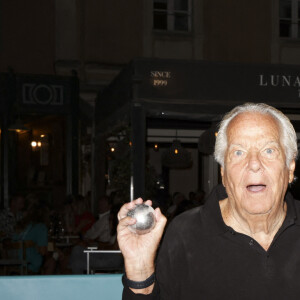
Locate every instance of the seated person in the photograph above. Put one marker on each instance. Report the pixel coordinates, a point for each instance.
(84, 219)
(11, 215)
(100, 231)
(33, 228)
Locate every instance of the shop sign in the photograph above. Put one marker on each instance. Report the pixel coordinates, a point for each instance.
(278, 80)
(42, 94)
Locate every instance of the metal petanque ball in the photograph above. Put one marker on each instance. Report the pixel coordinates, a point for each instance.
(145, 219)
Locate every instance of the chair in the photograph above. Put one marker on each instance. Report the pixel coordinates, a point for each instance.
(13, 256)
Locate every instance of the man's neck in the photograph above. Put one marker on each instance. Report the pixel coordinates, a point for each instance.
(261, 227)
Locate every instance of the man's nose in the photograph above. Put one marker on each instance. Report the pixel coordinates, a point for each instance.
(254, 161)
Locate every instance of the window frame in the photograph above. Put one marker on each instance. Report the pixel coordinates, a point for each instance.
(294, 20)
(171, 12)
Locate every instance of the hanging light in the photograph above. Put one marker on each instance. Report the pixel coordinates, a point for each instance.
(176, 147)
(177, 157)
(35, 145)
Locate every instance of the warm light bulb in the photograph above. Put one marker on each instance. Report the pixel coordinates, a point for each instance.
(112, 149)
(39, 144)
(33, 144)
(42, 135)
(176, 151)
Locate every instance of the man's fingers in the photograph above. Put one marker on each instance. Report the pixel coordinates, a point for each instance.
(148, 202)
(158, 214)
(161, 220)
(125, 222)
(128, 206)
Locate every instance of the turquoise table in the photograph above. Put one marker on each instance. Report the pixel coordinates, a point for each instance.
(60, 287)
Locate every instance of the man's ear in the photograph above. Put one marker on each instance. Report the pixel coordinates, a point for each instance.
(222, 175)
(292, 170)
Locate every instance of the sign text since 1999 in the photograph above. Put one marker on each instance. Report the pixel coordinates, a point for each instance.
(160, 78)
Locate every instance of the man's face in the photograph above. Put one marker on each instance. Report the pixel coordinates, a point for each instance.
(255, 173)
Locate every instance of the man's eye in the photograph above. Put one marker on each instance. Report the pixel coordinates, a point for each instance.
(238, 153)
(269, 151)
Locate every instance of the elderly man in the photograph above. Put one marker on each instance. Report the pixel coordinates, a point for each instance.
(244, 246)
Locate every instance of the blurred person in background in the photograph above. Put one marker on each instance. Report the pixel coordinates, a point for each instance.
(83, 218)
(33, 227)
(177, 198)
(11, 215)
(199, 198)
(100, 231)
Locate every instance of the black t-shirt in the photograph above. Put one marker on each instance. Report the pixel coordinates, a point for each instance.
(202, 258)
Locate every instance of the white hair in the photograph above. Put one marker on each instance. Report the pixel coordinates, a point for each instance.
(287, 132)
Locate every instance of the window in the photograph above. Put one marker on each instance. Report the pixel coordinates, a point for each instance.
(172, 15)
(289, 16)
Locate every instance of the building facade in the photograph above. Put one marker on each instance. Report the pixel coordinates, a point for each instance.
(98, 38)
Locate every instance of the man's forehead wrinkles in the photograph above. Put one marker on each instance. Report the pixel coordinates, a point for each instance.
(235, 145)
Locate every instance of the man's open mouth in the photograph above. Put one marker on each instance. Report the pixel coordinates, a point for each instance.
(256, 187)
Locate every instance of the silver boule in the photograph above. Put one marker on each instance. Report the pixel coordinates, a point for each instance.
(145, 219)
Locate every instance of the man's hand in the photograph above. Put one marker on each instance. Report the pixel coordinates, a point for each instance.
(139, 250)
